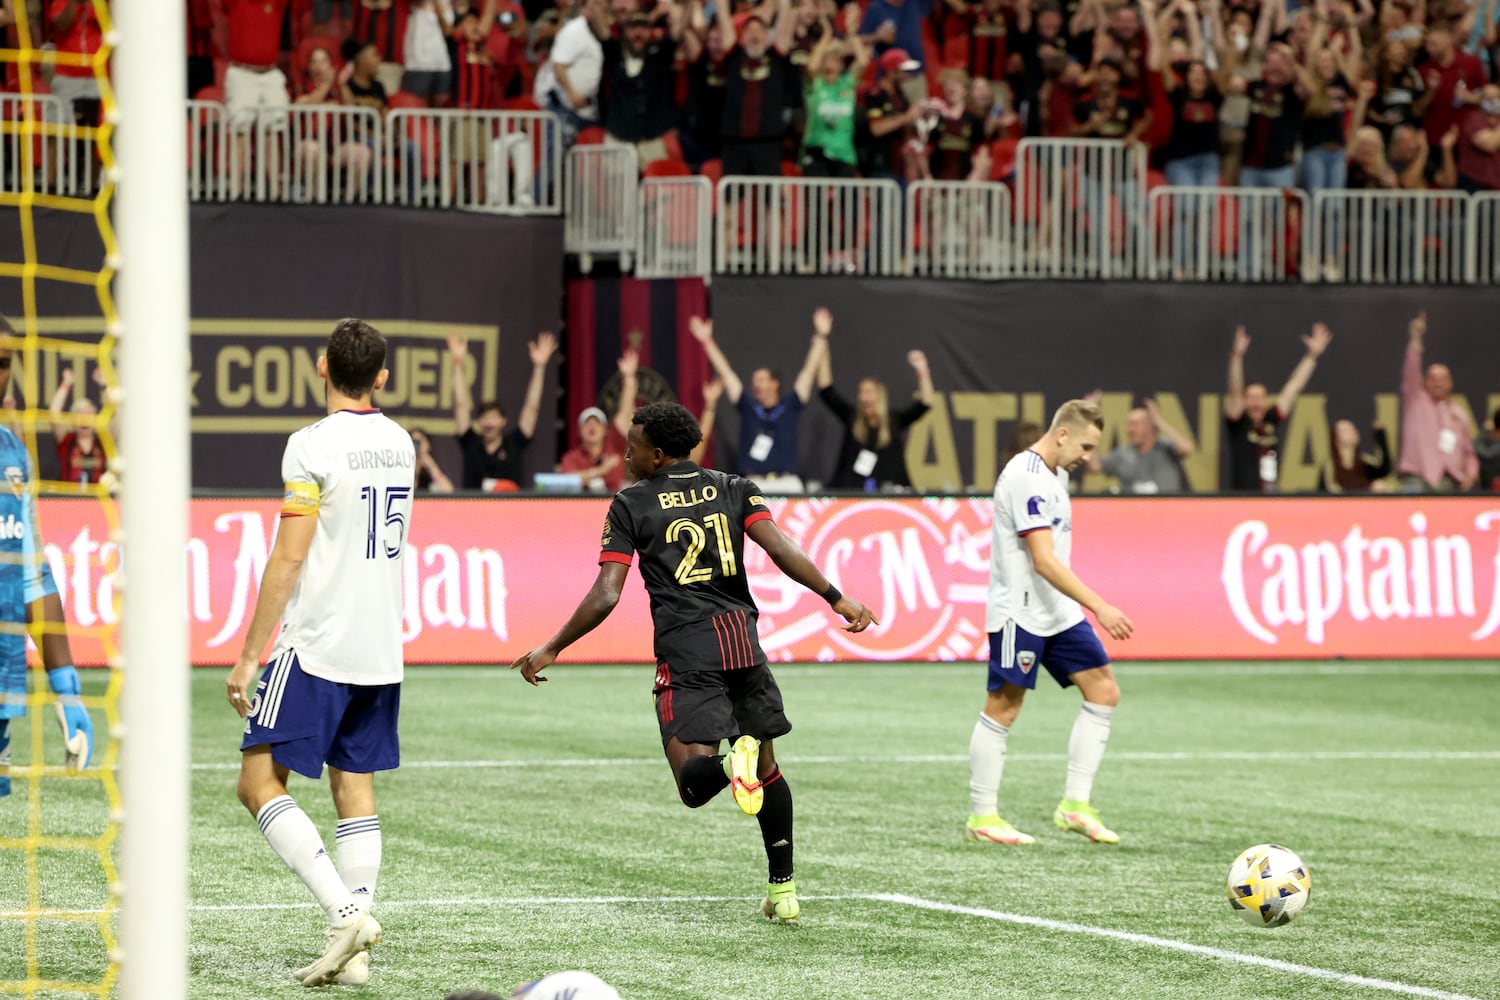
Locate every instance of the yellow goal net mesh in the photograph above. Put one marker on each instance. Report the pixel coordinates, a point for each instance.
(59, 824)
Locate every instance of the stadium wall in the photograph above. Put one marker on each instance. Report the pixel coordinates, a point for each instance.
(268, 282)
(1203, 578)
(1007, 351)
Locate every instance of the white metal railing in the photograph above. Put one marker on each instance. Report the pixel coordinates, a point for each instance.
(61, 162)
(958, 229)
(600, 192)
(317, 154)
(490, 161)
(209, 150)
(1390, 237)
(790, 225)
(1482, 233)
(1080, 209)
(1228, 234)
(675, 217)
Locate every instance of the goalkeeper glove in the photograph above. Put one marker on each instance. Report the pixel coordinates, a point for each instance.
(74, 717)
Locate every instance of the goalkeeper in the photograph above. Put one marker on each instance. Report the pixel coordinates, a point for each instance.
(28, 594)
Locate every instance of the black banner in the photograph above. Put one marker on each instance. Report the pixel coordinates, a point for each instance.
(1007, 351)
(268, 282)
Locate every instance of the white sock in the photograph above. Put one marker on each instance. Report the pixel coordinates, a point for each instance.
(294, 838)
(358, 845)
(986, 762)
(1086, 749)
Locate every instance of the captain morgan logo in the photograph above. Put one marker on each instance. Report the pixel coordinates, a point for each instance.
(1034, 506)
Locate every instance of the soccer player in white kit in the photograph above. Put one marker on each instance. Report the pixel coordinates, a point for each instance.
(332, 688)
(1035, 619)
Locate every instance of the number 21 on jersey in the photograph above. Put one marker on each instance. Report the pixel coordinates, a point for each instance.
(395, 517)
(688, 530)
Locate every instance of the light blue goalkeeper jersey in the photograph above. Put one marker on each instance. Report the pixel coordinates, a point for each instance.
(20, 569)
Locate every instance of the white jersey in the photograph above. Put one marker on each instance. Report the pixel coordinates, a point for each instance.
(354, 471)
(567, 986)
(1029, 496)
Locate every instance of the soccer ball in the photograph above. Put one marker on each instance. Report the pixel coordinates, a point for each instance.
(1269, 885)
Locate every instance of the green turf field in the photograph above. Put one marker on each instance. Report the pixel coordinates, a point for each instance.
(538, 830)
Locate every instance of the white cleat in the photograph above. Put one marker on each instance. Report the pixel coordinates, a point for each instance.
(356, 972)
(344, 943)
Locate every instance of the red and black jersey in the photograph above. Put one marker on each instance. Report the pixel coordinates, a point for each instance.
(383, 23)
(476, 78)
(989, 36)
(688, 524)
(80, 465)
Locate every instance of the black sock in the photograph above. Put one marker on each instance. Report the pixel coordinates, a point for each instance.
(776, 826)
(701, 778)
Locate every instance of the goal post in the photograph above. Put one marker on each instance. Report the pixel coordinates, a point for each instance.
(152, 220)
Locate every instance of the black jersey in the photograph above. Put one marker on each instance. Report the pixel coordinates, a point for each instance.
(688, 524)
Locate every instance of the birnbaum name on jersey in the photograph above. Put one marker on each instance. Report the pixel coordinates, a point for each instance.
(385, 458)
(1273, 584)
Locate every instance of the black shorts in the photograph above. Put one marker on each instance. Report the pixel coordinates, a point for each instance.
(706, 706)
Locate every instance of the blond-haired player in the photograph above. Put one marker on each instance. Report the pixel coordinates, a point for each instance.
(1035, 620)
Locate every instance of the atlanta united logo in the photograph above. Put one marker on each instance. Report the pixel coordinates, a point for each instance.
(1025, 659)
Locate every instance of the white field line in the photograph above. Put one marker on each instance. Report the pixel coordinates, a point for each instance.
(25, 771)
(1167, 944)
(1040, 923)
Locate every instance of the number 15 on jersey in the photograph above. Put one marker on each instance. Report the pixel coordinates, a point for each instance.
(394, 518)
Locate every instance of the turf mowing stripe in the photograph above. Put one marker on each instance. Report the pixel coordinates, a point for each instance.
(398, 904)
(1043, 923)
(942, 758)
(1294, 668)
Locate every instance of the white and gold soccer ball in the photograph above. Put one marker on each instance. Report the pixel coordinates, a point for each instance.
(1269, 885)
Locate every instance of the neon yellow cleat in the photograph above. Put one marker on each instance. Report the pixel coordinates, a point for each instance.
(1080, 817)
(992, 829)
(744, 778)
(780, 904)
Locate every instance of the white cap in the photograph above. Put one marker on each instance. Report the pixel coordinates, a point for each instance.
(593, 412)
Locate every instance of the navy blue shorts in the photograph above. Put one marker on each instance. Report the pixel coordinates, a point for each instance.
(308, 721)
(1015, 654)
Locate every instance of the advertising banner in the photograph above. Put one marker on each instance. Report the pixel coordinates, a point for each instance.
(488, 579)
(268, 285)
(1008, 351)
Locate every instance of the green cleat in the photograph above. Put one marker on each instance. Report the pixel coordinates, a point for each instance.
(1080, 817)
(743, 761)
(992, 829)
(780, 904)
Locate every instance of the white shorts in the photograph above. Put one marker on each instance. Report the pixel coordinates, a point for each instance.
(246, 92)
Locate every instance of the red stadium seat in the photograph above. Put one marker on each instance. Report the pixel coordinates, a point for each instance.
(713, 170)
(594, 136)
(401, 99)
(667, 168)
(215, 94)
(790, 169)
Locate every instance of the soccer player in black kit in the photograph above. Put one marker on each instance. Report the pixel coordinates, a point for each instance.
(712, 684)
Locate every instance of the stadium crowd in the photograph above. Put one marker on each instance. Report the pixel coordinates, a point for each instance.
(1437, 452)
(1268, 93)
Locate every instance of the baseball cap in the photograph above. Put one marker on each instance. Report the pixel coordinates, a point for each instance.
(593, 412)
(897, 59)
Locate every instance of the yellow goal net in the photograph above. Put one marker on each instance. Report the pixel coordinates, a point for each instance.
(60, 822)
